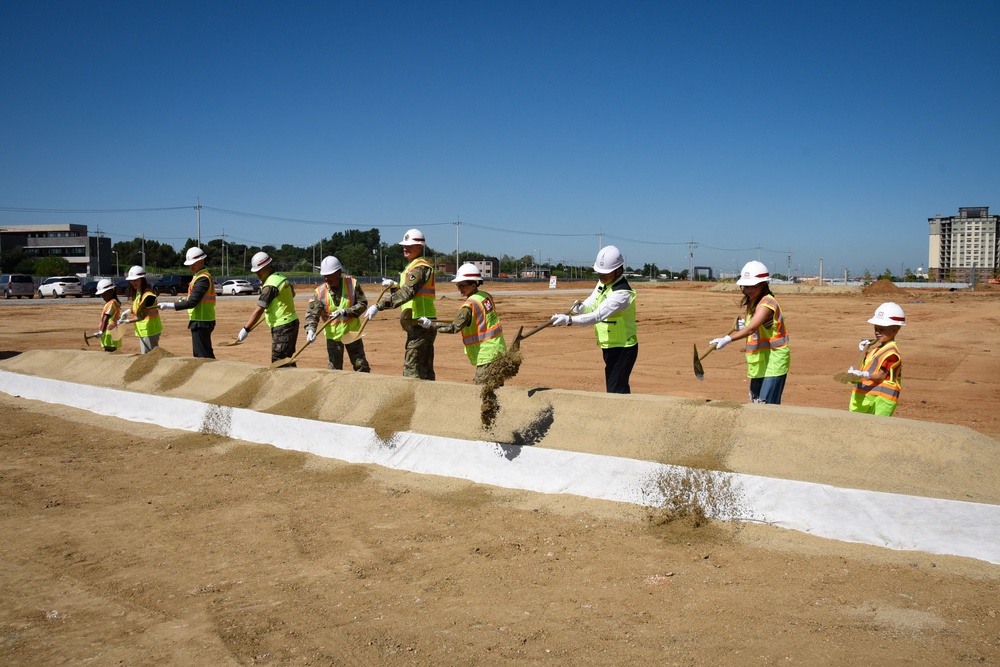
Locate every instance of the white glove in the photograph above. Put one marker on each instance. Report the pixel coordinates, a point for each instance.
(97, 334)
(740, 323)
(123, 319)
(577, 307)
(242, 335)
(371, 312)
(720, 343)
(863, 344)
(860, 374)
(310, 335)
(425, 322)
(560, 320)
(168, 305)
(389, 282)
(338, 314)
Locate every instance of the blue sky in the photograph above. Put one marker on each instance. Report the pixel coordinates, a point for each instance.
(831, 131)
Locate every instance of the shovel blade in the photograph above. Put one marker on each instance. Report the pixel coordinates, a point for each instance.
(282, 362)
(699, 370)
(517, 339)
(86, 338)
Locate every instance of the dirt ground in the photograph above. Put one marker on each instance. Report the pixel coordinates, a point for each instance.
(134, 544)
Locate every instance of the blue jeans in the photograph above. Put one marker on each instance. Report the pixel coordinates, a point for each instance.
(767, 390)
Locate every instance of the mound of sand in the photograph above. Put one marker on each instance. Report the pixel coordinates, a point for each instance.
(882, 286)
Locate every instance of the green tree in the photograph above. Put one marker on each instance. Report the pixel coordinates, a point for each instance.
(15, 261)
(868, 276)
(53, 266)
(886, 275)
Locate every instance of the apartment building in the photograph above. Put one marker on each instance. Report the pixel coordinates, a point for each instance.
(964, 247)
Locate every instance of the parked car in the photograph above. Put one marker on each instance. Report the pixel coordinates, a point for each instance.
(60, 286)
(90, 288)
(255, 284)
(121, 288)
(17, 284)
(172, 284)
(238, 286)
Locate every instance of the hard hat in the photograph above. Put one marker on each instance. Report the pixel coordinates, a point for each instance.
(609, 259)
(103, 285)
(194, 255)
(468, 272)
(413, 237)
(753, 273)
(259, 261)
(135, 273)
(889, 314)
(330, 265)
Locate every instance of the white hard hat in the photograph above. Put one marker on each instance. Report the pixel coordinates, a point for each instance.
(609, 259)
(889, 314)
(135, 273)
(467, 272)
(194, 255)
(753, 273)
(413, 237)
(259, 261)
(103, 285)
(330, 265)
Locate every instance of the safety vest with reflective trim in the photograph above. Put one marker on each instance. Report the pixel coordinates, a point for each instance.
(336, 330)
(888, 388)
(767, 350)
(483, 338)
(422, 304)
(151, 324)
(620, 329)
(205, 310)
(281, 310)
(112, 311)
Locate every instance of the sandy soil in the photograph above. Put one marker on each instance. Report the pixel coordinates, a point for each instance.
(134, 545)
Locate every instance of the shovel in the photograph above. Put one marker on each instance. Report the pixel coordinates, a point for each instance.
(846, 377)
(290, 360)
(237, 341)
(520, 336)
(352, 336)
(699, 370)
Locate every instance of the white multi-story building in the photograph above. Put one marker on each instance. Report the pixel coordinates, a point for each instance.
(964, 244)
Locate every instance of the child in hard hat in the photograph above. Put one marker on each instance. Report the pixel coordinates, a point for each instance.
(109, 333)
(768, 354)
(145, 312)
(479, 323)
(877, 391)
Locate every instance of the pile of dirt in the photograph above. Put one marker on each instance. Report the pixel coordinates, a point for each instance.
(145, 363)
(882, 286)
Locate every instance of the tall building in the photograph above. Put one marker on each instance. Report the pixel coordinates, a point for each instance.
(963, 244)
(87, 255)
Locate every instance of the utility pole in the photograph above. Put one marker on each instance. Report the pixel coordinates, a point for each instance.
(458, 224)
(691, 246)
(144, 250)
(98, 235)
(198, 208)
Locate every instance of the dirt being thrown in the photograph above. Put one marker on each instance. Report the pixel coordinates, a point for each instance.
(501, 370)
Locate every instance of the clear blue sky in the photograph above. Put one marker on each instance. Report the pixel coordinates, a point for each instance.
(832, 130)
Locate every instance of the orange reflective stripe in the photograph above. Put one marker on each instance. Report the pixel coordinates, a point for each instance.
(778, 338)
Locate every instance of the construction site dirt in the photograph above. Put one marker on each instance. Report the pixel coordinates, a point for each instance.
(135, 544)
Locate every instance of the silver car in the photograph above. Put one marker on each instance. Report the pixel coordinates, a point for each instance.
(234, 287)
(60, 286)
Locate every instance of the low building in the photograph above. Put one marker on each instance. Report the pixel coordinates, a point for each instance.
(88, 255)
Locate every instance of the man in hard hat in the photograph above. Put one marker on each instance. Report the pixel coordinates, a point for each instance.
(414, 296)
(877, 390)
(199, 302)
(277, 306)
(340, 300)
(768, 354)
(478, 321)
(611, 309)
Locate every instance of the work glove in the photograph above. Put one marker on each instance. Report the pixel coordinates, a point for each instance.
(863, 344)
(389, 282)
(560, 320)
(96, 334)
(242, 335)
(740, 323)
(860, 374)
(310, 335)
(167, 305)
(425, 322)
(577, 307)
(720, 343)
(371, 312)
(122, 320)
(338, 314)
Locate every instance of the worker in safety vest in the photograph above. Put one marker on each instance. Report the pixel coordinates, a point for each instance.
(277, 306)
(414, 295)
(877, 391)
(768, 354)
(611, 309)
(341, 300)
(200, 304)
(478, 321)
(145, 312)
(109, 333)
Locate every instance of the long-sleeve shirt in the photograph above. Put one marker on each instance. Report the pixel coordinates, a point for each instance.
(462, 319)
(615, 303)
(317, 310)
(198, 292)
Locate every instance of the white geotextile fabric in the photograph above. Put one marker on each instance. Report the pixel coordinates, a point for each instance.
(889, 520)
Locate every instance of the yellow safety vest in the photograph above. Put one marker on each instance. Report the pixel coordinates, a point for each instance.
(483, 338)
(281, 310)
(336, 330)
(151, 324)
(205, 310)
(767, 351)
(422, 303)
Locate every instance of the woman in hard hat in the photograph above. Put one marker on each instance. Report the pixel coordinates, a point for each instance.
(145, 312)
(478, 321)
(341, 300)
(877, 390)
(200, 304)
(109, 334)
(277, 306)
(767, 352)
(611, 309)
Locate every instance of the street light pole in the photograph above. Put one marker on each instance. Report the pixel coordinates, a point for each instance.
(117, 272)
